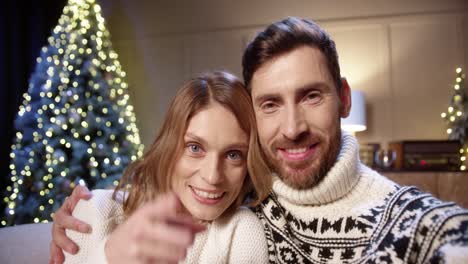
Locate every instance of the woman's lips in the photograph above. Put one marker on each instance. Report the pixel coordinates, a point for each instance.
(208, 198)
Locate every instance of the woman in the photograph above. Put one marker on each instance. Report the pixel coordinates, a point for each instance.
(193, 177)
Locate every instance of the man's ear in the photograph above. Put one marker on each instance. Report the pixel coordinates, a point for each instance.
(345, 98)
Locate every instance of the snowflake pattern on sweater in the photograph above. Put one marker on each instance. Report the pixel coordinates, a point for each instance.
(410, 228)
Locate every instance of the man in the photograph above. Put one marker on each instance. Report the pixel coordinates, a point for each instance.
(326, 206)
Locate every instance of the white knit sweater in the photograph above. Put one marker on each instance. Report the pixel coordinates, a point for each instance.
(355, 215)
(237, 239)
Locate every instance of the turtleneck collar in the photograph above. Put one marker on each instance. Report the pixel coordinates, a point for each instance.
(337, 183)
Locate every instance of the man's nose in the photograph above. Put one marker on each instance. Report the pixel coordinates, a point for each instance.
(294, 123)
(211, 171)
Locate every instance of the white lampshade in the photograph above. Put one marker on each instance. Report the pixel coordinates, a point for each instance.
(356, 121)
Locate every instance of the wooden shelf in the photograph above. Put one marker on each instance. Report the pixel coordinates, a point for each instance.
(447, 186)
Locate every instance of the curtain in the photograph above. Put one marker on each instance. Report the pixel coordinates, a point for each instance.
(24, 29)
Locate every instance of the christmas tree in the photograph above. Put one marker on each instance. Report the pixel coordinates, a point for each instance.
(75, 125)
(456, 117)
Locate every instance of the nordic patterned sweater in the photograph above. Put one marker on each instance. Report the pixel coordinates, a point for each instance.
(356, 215)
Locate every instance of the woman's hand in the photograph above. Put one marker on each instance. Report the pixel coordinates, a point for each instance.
(157, 232)
(63, 219)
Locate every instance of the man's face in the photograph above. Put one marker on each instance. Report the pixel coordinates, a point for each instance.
(298, 110)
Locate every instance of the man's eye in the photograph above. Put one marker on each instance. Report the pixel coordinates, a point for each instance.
(268, 107)
(313, 96)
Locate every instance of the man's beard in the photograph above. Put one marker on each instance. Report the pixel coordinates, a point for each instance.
(311, 174)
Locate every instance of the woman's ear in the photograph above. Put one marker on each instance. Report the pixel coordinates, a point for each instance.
(345, 98)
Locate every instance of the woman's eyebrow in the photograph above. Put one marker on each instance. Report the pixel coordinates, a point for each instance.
(236, 145)
(239, 145)
(195, 137)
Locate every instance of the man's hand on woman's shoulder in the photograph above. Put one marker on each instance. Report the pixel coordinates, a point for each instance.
(63, 219)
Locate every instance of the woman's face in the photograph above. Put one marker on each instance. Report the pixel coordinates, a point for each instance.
(209, 175)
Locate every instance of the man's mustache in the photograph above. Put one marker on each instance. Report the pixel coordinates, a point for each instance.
(305, 140)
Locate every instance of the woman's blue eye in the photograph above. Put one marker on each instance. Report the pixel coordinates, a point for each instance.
(234, 155)
(195, 148)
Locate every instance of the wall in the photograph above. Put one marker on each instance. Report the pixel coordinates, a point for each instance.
(402, 54)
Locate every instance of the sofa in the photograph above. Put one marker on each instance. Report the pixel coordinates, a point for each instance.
(27, 243)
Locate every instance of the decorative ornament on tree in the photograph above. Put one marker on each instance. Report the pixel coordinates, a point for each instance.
(76, 124)
(456, 117)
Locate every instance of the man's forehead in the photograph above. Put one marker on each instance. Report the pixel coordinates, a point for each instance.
(301, 67)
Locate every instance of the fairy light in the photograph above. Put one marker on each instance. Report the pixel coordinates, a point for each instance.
(455, 117)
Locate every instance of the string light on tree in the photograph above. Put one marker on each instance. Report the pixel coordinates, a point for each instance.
(75, 121)
(456, 117)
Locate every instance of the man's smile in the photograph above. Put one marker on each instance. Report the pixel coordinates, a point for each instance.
(297, 153)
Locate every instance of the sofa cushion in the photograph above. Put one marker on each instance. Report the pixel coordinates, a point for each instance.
(27, 243)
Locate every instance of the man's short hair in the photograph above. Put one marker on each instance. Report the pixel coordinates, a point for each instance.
(284, 36)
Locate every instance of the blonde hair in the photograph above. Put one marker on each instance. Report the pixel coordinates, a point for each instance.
(150, 176)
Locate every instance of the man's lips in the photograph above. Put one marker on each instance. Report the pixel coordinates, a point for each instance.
(297, 153)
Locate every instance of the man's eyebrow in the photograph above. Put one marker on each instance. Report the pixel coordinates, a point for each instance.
(300, 92)
(304, 90)
(267, 97)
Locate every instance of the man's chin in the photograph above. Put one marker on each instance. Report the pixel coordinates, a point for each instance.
(298, 178)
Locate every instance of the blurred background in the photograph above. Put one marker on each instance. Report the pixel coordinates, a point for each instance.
(401, 54)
